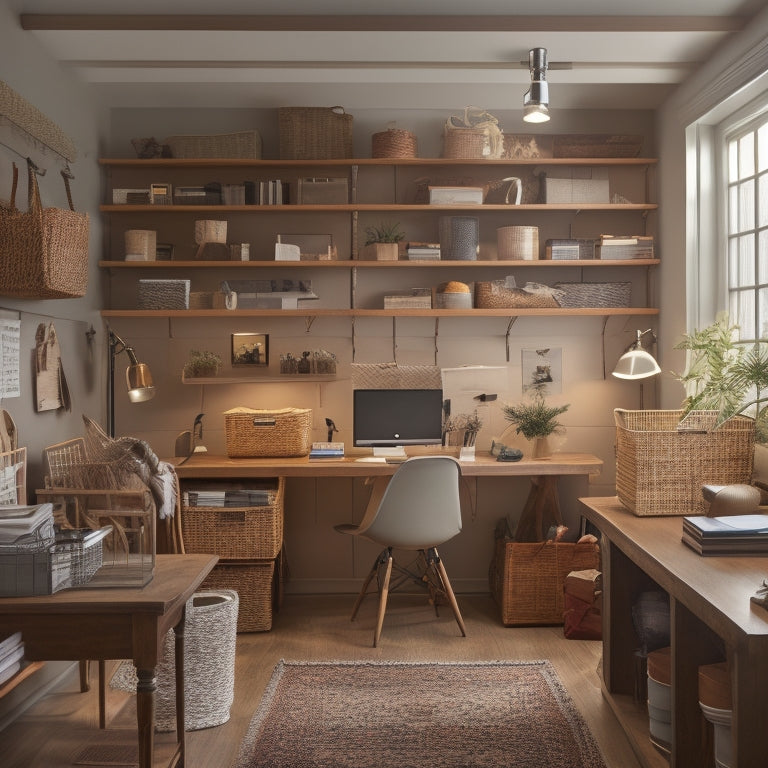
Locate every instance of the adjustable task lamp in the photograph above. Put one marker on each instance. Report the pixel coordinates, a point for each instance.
(637, 362)
(536, 99)
(138, 379)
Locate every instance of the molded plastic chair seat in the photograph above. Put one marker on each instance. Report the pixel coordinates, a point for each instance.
(418, 510)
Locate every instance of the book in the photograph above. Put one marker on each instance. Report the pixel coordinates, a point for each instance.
(326, 450)
(729, 525)
(728, 546)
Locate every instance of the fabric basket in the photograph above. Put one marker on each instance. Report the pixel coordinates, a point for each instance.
(528, 579)
(284, 432)
(662, 462)
(314, 133)
(43, 251)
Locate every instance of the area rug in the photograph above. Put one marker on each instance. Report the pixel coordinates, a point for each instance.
(417, 715)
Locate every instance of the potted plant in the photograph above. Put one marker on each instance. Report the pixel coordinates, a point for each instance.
(536, 421)
(381, 243)
(201, 364)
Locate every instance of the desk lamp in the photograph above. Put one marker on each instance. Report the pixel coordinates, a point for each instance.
(138, 379)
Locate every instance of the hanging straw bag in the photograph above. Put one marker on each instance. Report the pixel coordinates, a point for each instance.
(43, 251)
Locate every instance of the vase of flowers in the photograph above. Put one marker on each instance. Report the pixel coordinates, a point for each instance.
(536, 421)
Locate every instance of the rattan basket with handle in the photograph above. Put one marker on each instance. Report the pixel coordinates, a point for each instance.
(284, 432)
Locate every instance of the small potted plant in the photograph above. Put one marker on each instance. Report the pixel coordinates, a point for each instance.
(201, 364)
(536, 421)
(382, 242)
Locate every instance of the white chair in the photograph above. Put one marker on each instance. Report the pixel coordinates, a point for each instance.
(419, 510)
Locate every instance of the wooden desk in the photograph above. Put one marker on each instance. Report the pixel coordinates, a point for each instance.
(117, 623)
(709, 600)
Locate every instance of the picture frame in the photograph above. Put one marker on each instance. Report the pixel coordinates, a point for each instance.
(250, 349)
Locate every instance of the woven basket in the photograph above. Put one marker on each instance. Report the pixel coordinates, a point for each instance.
(594, 294)
(518, 243)
(245, 144)
(394, 142)
(596, 145)
(284, 432)
(528, 579)
(496, 295)
(254, 582)
(467, 144)
(661, 462)
(163, 294)
(236, 532)
(201, 299)
(141, 243)
(314, 133)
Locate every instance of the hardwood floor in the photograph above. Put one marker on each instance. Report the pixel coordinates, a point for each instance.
(309, 627)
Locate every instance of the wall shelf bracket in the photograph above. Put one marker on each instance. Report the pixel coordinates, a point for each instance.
(308, 320)
(511, 322)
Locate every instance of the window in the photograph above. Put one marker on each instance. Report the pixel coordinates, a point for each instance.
(746, 227)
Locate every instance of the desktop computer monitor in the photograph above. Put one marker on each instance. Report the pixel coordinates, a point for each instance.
(389, 419)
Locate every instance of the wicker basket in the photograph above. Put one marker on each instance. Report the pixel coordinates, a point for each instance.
(254, 582)
(517, 243)
(662, 462)
(245, 144)
(314, 133)
(394, 142)
(596, 145)
(594, 294)
(528, 579)
(237, 532)
(496, 295)
(284, 432)
(163, 294)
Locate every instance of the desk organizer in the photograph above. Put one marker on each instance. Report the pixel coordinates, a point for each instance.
(662, 462)
(252, 433)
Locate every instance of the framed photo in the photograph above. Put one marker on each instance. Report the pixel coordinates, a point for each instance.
(542, 370)
(250, 349)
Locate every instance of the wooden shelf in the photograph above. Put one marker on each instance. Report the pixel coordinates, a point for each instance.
(285, 313)
(293, 378)
(360, 264)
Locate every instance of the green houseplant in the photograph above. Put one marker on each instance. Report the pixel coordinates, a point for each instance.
(381, 242)
(201, 363)
(536, 420)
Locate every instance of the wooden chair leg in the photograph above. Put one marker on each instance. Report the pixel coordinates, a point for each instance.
(377, 563)
(383, 594)
(434, 558)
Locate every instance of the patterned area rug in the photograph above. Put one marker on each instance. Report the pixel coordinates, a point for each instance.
(372, 715)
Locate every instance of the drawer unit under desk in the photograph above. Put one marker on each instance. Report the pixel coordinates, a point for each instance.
(234, 519)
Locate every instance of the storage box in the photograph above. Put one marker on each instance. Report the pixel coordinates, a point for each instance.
(662, 462)
(594, 294)
(527, 579)
(623, 248)
(278, 433)
(314, 133)
(456, 195)
(562, 250)
(235, 532)
(321, 191)
(255, 582)
(575, 191)
(163, 294)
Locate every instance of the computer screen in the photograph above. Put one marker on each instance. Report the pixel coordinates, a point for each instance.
(397, 417)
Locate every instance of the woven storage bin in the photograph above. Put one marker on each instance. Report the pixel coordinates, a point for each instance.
(141, 244)
(596, 145)
(314, 133)
(594, 294)
(254, 582)
(661, 462)
(236, 532)
(394, 142)
(518, 243)
(284, 432)
(201, 299)
(245, 144)
(163, 294)
(496, 295)
(527, 579)
(468, 144)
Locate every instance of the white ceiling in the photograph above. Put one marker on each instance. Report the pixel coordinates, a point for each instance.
(398, 54)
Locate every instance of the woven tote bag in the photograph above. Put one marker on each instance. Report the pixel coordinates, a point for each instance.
(43, 251)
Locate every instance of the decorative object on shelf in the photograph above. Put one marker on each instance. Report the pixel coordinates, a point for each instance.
(323, 191)
(208, 233)
(594, 294)
(51, 390)
(318, 361)
(201, 364)
(244, 144)
(565, 249)
(140, 245)
(240, 251)
(535, 420)
(314, 133)
(250, 349)
(276, 433)
(150, 148)
(415, 298)
(164, 252)
(526, 146)
(43, 251)
(163, 294)
(382, 242)
(723, 374)
(462, 429)
(267, 294)
(515, 243)
(309, 247)
(453, 295)
(505, 294)
(459, 237)
(637, 362)
(160, 194)
(394, 142)
(536, 98)
(472, 136)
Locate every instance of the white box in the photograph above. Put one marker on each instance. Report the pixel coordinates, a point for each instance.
(576, 191)
(456, 195)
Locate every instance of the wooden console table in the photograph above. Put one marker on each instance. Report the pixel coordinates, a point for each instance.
(116, 623)
(709, 606)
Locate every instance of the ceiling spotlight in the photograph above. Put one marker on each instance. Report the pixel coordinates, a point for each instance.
(536, 99)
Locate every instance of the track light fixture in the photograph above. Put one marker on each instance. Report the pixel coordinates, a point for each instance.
(536, 99)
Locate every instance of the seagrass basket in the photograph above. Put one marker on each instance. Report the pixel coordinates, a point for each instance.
(394, 142)
(467, 144)
(244, 144)
(254, 582)
(314, 133)
(278, 433)
(528, 579)
(662, 461)
(237, 532)
(594, 294)
(517, 243)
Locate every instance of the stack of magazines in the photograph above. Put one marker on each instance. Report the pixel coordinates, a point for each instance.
(728, 535)
(26, 527)
(258, 497)
(11, 656)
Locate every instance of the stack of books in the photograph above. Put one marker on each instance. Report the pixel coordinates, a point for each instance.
(423, 251)
(11, 656)
(326, 451)
(729, 535)
(627, 247)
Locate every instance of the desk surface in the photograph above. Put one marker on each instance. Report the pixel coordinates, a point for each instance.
(205, 465)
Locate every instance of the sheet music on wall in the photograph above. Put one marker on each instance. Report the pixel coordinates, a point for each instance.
(10, 343)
